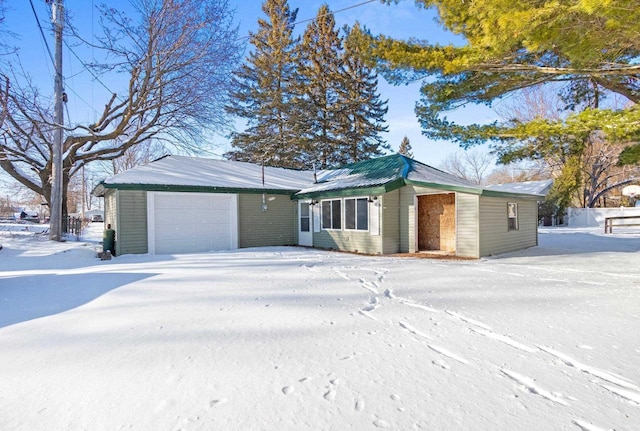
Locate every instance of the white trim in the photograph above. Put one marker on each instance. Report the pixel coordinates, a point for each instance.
(317, 221)
(341, 214)
(344, 214)
(305, 238)
(375, 217)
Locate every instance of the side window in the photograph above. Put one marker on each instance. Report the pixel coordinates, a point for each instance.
(512, 216)
(356, 213)
(331, 213)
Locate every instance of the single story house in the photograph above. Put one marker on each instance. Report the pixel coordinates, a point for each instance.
(387, 205)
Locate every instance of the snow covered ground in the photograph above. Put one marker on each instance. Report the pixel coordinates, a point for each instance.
(298, 339)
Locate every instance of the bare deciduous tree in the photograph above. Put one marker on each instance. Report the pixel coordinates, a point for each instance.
(518, 172)
(178, 58)
(585, 167)
(470, 165)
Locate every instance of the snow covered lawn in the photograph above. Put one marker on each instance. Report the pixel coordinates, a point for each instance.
(299, 339)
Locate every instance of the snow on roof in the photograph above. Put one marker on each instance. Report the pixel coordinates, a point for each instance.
(527, 187)
(202, 172)
(426, 174)
(381, 171)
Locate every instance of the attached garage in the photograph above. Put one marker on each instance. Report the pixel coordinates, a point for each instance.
(180, 204)
(191, 222)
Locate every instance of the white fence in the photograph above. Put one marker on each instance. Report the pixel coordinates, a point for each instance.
(594, 217)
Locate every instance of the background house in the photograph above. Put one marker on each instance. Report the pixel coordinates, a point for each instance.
(391, 204)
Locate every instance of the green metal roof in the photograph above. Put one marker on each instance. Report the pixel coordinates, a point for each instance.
(384, 174)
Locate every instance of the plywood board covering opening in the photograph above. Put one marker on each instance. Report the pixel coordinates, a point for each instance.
(437, 222)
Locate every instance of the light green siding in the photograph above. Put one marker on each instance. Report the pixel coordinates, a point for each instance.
(391, 222)
(111, 208)
(348, 240)
(359, 242)
(495, 237)
(407, 219)
(467, 241)
(275, 226)
(131, 222)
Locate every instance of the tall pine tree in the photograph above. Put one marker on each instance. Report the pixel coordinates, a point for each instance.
(265, 93)
(363, 118)
(322, 84)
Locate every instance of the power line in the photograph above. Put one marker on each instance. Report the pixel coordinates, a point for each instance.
(89, 69)
(33, 9)
(320, 16)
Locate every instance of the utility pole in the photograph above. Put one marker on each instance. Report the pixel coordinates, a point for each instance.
(55, 222)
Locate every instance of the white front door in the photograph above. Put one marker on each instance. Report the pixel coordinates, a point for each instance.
(305, 231)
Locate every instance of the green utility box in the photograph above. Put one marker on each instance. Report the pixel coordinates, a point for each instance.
(109, 240)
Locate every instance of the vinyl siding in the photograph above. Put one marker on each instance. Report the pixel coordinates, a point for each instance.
(391, 222)
(348, 240)
(275, 226)
(131, 237)
(495, 238)
(407, 219)
(359, 242)
(467, 208)
(111, 208)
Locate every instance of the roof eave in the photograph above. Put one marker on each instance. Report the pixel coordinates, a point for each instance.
(192, 188)
(438, 186)
(499, 194)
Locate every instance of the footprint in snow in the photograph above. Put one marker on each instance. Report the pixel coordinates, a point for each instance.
(468, 320)
(379, 423)
(342, 274)
(504, 339)
(440, 363)
(609, 377)
(414, 331)
(330, 395)
(585, 426)
(369, 286)
(359, 406)
(530, 386)
(214, 403)
(287, 390)
(629, 395)
(447, 353)
(365, 313)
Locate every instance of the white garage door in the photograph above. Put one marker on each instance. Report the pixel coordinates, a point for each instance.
(191, 222)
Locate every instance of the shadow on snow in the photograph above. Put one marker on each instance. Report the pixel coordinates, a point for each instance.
(25, 298)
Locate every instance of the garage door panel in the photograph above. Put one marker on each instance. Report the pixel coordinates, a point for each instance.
(192, 222)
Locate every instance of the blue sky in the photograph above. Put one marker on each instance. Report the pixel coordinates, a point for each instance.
(403, 20)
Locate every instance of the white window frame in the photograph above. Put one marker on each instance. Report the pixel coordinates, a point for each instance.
(355, 221)
(512, 214)
(340, 217)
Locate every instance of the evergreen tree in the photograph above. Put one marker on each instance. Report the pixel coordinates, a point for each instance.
(585, 47)
(322, 83)
(265, 93)
(363, 117)
(405, 148)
